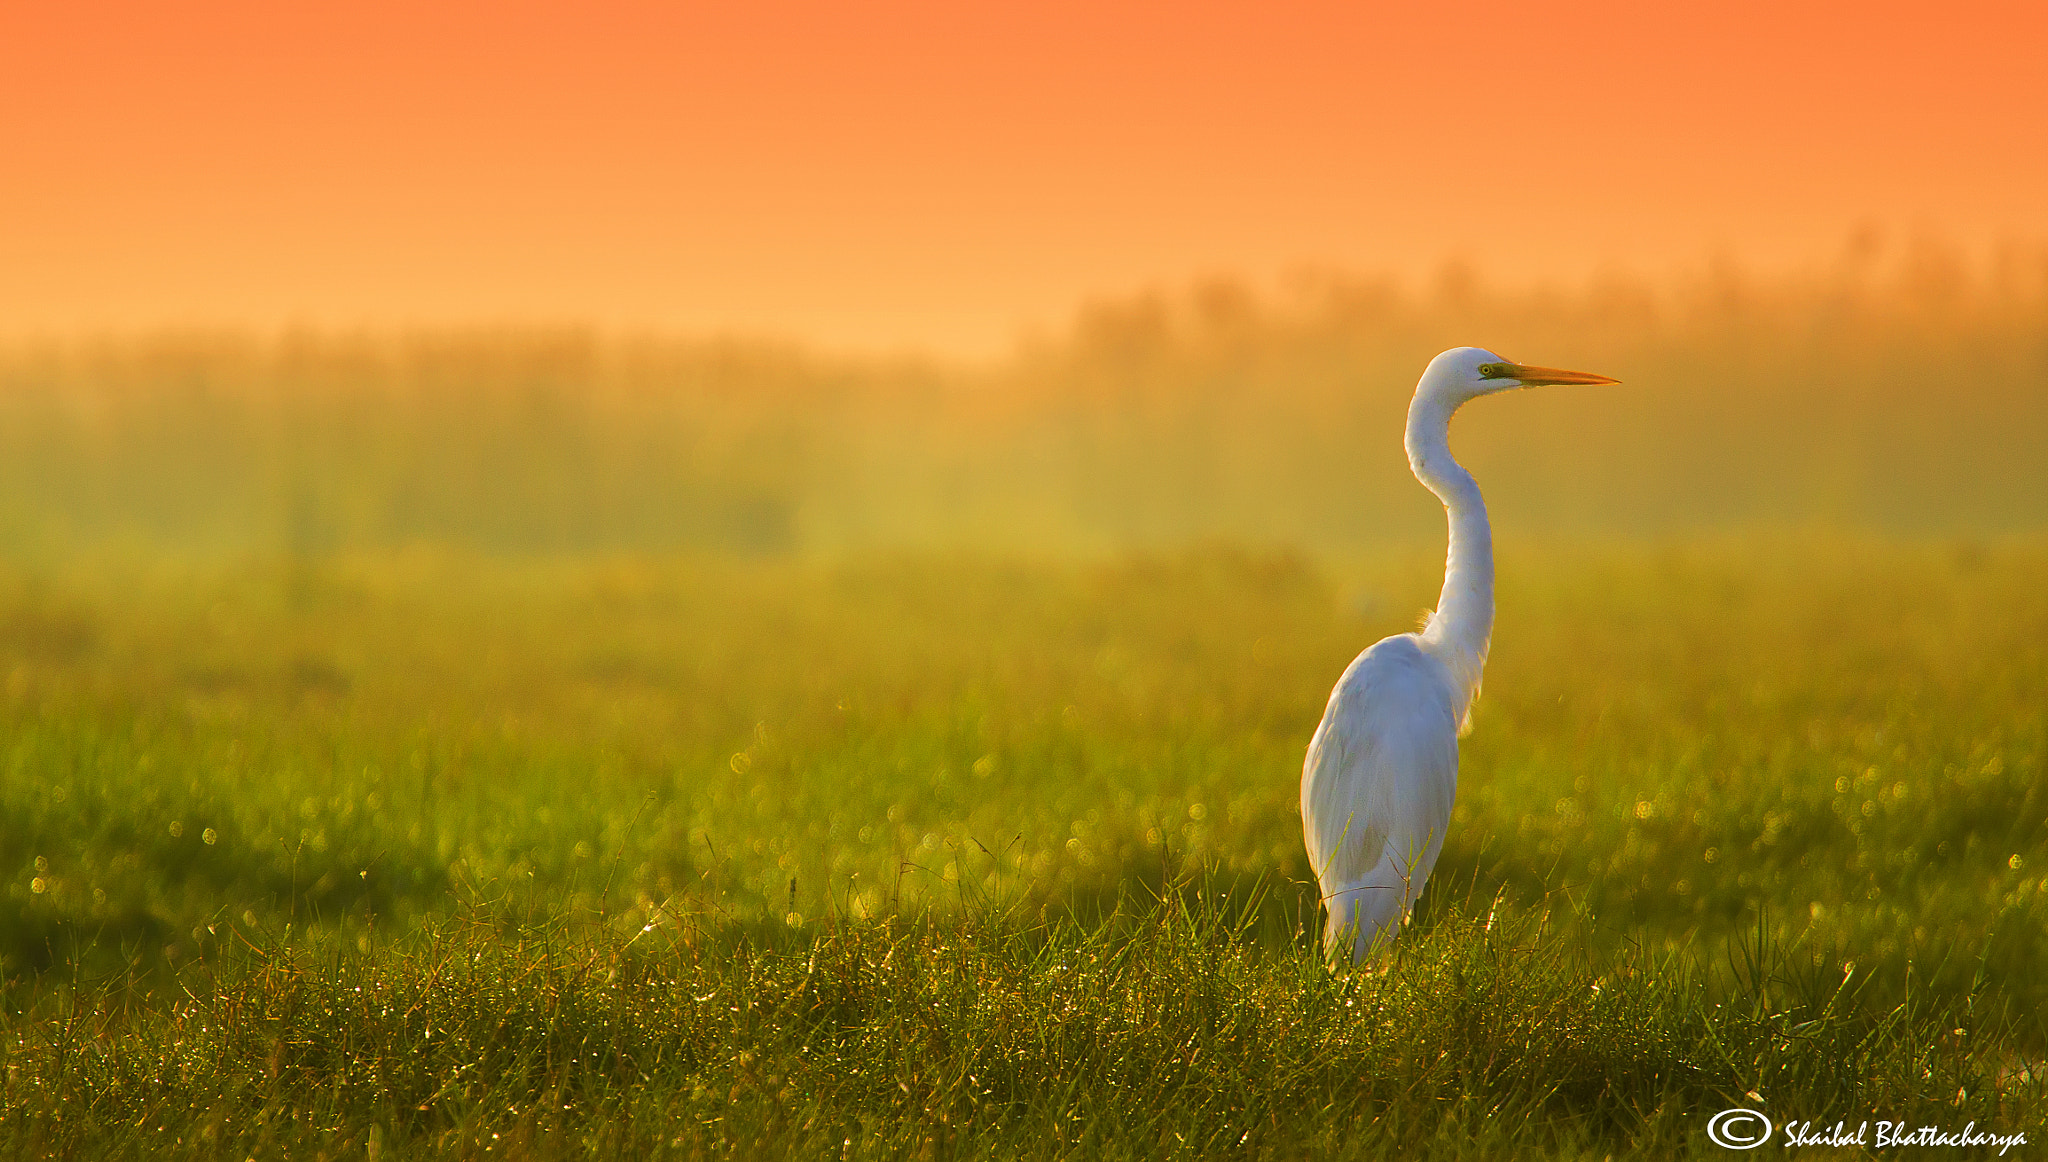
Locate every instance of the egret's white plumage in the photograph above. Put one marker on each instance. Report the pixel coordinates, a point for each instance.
(1382, 769)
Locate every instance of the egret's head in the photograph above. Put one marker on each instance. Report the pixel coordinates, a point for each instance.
(1464, 373)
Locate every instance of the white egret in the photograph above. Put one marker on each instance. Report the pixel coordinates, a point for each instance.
(1382, 769)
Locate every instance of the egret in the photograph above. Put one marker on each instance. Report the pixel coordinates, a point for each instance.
(1382, 769)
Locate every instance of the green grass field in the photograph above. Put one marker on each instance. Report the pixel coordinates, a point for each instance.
(935, 855)
(516, 744)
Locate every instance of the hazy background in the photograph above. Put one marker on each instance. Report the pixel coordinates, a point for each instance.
(1899, 393)
(795, 278)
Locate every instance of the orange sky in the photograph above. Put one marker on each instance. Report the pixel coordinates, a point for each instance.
(942, 174)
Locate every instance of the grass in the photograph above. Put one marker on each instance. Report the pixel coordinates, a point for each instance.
(1164, 1031)
(948, 855)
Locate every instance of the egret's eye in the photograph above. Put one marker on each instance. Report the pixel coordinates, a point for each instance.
(1495, 370)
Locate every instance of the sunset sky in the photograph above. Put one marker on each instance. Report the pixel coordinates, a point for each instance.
(942, 175)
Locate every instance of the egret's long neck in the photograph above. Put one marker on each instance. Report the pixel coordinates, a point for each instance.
(1462, 625)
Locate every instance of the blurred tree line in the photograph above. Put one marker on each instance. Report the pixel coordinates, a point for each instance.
(1897, 391)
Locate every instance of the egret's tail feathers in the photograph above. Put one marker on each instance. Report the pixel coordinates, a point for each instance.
(1367, 912)
(1362, 916)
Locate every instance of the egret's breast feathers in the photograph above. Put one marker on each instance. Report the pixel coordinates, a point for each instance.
(1382, 768)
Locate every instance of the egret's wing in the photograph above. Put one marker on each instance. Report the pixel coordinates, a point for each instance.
(1382, 769)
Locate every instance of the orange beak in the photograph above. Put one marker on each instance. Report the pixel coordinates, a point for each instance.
(1545, 376)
